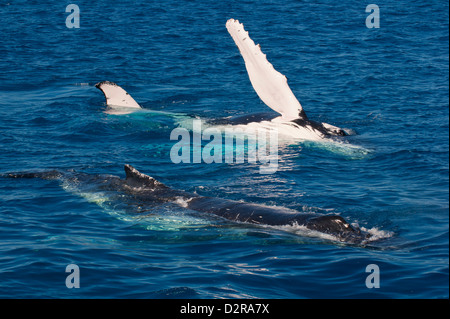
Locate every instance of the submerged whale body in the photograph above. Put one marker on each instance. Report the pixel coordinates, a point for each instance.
(142, 189)
(270, 85)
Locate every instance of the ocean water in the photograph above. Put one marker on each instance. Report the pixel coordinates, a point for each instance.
(389, 85)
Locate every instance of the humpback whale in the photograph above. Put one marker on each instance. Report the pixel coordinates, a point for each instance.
(270, 85)
(143, 190)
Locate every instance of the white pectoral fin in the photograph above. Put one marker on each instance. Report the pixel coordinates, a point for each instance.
(270, 85)
(116, 96)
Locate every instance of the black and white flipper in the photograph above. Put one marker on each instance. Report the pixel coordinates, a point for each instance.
(116, 96)
(270, 85)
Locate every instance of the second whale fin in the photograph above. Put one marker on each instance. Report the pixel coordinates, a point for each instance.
(116, 96)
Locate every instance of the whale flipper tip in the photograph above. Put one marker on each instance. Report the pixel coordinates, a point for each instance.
(100, 84)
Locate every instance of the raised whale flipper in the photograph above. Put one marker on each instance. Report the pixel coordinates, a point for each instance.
(270, 85)
(116, 96)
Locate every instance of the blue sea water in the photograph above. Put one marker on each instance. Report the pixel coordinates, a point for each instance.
(388, 84)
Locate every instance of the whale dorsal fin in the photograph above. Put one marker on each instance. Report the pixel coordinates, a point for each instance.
(135, 178)
(116, 96)
(270, 85)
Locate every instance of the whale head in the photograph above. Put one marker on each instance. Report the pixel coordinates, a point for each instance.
(337, 226)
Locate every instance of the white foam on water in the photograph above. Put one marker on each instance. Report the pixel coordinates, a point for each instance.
(286, 135)
(377, 234)
(303, 231)
(183, 202)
